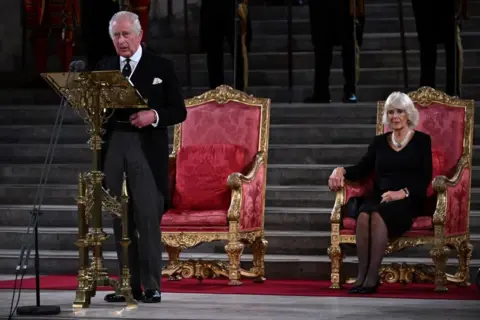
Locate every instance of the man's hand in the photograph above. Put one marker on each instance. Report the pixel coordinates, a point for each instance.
(393, 196)
(143, 118)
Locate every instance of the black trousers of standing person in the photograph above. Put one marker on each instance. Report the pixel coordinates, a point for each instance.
(96, 15)
(217, 23)
(331, 24)
(436, 24)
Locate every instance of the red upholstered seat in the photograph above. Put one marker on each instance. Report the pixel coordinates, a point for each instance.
(444, 225)
(217, 180)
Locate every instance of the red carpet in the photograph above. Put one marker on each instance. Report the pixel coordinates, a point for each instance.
(270, 287)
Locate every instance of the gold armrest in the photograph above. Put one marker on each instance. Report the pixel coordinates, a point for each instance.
(336, 215)
(441, 184)
(235, 182)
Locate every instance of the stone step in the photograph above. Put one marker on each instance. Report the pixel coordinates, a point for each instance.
(278, 153)
(272, 43)
(380, 9)
(277, 94)
(278, 174)
(305, 60)
(277, 266)
(65, 194)
(279, 134)
(373, 10)
(301, 26)
(283, 114)
(316, 196)
(276, 218)
(305, 77)
(279, 242)
(68, 173)
(387, 76)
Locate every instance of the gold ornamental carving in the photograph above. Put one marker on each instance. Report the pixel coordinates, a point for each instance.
(95, 96)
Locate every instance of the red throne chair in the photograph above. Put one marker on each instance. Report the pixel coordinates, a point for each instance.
(445, 224)
(218, 170)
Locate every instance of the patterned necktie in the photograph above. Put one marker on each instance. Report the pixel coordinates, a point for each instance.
(127, 69)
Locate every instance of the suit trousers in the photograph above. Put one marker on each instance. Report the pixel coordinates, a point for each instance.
(331, 24)
(217, 24)
(125, 154)
(436, 24)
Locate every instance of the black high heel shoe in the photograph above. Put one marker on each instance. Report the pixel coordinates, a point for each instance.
(355, 289)
(369, 290)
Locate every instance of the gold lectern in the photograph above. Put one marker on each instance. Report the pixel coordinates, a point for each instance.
(95, 96)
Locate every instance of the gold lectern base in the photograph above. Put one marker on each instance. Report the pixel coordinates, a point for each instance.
(87, 288)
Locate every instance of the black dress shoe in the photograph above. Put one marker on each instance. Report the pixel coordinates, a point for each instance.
(114, 298)
(349, 98)
(152, 296)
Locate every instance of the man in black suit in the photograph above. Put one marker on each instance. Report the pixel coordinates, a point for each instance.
(94, 14)
(217, 23)
(332, 23)
(136, 142)
(438, 22)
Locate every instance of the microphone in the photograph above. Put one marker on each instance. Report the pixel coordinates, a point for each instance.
(77, 65)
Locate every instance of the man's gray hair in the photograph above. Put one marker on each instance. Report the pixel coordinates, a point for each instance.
(400, 100)
(127, 15)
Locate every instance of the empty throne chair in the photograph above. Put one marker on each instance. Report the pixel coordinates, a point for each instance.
(445, 223)
(218, 170)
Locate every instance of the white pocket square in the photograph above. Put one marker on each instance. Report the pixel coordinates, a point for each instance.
(157, 81)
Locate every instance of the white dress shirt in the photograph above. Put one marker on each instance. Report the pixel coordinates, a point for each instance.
(133, 65)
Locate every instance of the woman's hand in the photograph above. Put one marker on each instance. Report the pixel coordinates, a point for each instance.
(393, 196)
(336, 180)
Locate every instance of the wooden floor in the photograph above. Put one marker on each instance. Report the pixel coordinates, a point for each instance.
(249, 307)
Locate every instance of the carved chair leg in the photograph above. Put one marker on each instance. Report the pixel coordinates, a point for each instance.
(464, 252)
(234, 249)
(259, 247)
(336, 258)
(173, 269)
(440, 256)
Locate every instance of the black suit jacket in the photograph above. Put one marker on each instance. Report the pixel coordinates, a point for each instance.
(166, 98)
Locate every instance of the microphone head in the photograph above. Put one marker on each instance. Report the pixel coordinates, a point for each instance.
(77, 65)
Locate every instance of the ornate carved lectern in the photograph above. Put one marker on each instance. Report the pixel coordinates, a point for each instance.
(95, 96)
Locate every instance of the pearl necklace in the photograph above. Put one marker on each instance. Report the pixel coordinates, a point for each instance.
(400, 144)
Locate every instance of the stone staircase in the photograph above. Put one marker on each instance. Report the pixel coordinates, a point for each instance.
(380, 59)
(304, 149)
(306, 143)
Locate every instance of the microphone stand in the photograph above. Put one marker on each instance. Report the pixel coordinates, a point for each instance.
(26, 249)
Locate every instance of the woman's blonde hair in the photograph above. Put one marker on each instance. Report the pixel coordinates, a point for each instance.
(400, 100)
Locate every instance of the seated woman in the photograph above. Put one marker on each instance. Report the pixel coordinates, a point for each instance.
(402, 163)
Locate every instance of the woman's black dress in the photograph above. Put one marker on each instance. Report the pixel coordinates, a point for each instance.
(410, 168)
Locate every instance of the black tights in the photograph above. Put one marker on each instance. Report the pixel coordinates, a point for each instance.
(371, 239)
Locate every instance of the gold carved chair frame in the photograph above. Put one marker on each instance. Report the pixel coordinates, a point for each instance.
(236, 239)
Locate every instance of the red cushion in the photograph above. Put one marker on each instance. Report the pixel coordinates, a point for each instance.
(202, 172)
(438, 168)
(192, 218)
